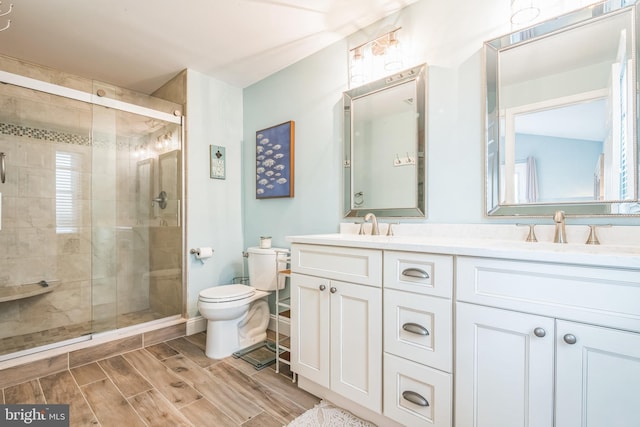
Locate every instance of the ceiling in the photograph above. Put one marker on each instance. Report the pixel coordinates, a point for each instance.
(141, 44)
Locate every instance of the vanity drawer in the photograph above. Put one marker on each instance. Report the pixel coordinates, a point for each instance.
(604, 296)
(421, 273)
(418, 328)
(415, 395)
(354, 265)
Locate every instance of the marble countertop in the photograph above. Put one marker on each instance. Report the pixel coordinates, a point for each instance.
(580, 254)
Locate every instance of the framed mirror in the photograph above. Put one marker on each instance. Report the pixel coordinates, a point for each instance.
(561, 119)
(384, 146)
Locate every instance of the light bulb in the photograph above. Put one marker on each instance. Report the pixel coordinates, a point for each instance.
(357, 66)
(524, 11)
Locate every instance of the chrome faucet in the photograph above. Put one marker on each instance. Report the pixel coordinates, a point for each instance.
(374, 223)
(561, 232)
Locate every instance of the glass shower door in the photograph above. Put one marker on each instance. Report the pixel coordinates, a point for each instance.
(137, 232)
(45, 233)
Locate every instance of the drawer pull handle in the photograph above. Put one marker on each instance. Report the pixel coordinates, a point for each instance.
(414, 397)
(333, 290)
(415, 272)
(539, 332)
(414, 328)
(570, 339)
(322, 287)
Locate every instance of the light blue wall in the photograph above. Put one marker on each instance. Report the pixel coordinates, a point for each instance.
(309, 93)
(449, 38)
(214, 214)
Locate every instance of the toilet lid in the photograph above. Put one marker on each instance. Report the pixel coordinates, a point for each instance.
(226, 293)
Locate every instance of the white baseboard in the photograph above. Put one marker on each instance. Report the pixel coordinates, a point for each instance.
(196, 324)
(285, 325)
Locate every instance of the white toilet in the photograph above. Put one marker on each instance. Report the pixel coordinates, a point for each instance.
(238, 315)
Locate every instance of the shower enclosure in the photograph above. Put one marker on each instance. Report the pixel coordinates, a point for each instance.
(90, 215)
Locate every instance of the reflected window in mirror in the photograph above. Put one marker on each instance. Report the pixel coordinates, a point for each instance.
(561, 116)
(384, 150)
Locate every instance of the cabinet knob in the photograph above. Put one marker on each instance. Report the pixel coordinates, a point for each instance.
(539, 332)
(415, 398)
(333, 290)
(414, 328)
(322, 287)
(570, 339)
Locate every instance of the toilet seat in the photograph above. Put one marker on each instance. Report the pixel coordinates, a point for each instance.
(226, 293)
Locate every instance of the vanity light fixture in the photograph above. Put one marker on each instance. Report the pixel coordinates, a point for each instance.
(4, 14)
(370, 61)
(392, 54)
(524, 11)
(356, 66)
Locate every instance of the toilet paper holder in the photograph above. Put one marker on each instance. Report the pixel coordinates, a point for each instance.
(194, 251)
(202, 254)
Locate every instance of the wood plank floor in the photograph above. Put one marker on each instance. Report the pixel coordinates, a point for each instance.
(170, 384)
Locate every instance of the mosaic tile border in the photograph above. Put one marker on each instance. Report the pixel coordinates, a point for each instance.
(44, 134)
(58, 137)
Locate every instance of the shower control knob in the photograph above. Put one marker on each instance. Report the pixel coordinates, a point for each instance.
(322, 287)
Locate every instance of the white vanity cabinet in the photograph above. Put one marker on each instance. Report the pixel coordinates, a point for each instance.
(538, 342)
(418, 331)
(336, 321)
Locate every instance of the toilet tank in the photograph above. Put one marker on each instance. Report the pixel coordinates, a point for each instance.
(262, 268)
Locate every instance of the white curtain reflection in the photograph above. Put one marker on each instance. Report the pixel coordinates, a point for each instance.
(532, 181)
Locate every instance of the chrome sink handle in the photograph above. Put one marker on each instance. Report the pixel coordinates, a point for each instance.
(593, 236)
(531, 237)
(3, 172)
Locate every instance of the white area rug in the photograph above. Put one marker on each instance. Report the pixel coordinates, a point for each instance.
(325, 414)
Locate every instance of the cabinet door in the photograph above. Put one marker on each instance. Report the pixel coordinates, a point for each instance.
(356, 343)
(597, 376)
(504, 368)
(310, 328)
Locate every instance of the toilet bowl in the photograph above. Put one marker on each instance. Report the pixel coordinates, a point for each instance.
(238, 315)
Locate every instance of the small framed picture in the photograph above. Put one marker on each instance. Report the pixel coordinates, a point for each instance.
(217, 161)
(275, 161)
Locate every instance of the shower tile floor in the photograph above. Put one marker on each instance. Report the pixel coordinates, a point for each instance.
(63, 333)
(172, 384)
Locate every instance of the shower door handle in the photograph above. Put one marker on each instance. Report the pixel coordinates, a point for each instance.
(3, 172)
